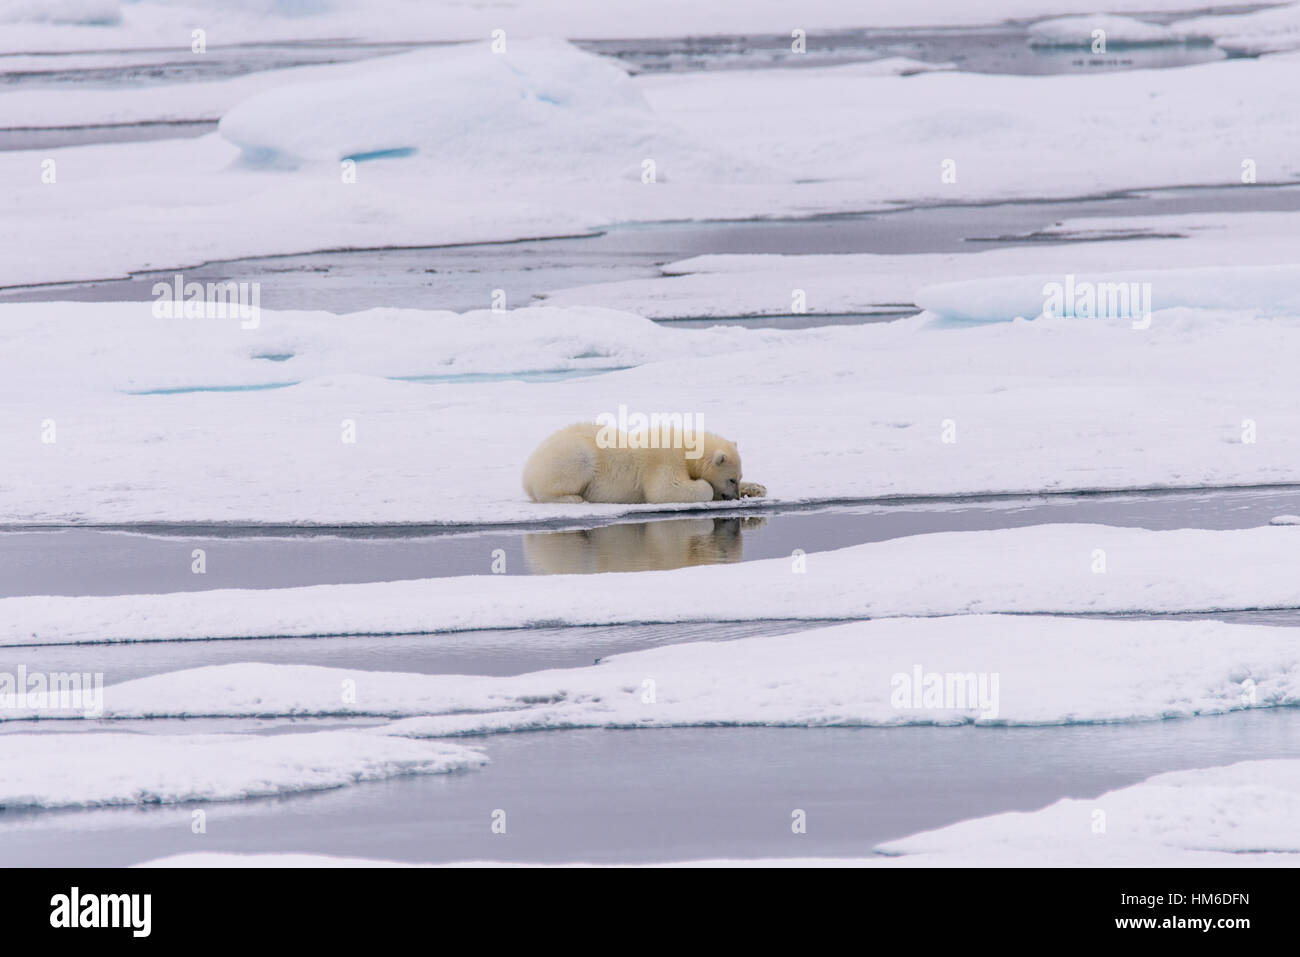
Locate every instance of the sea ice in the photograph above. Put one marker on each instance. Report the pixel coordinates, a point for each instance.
(89, 769)
(963, 669)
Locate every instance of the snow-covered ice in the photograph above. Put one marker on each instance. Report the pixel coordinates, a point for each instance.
(1135, 295)
(1269, 30)
(761, 284)
(102, 13)
(1057, 569)
(1117, 31)
(1239, 815)
(719, 141)
(1245, 814)
(1007, 670)
(73, 349)
(545, 107)
(998, 121)
(463, 143)
(1060, 404)
(89, 769)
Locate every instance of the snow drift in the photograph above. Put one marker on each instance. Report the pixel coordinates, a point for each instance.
(1263, 290)
(539, 108)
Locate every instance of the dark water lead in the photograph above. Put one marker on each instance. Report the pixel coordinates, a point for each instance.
(460, 277)
(1001, 49)
(670, 794)
(91, 561)
(499, 652)
(53, 137)
(130, 69)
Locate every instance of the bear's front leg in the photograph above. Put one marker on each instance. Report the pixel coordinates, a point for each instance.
(752, 490)
(669, 488)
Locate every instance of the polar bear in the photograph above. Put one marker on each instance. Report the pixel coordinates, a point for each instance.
(574, 466)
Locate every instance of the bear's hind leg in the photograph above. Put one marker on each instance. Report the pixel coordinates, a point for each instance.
(560, 470)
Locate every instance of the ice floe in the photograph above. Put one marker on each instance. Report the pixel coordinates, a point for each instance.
(1262, 290)
(86, 12)
(89, 769)
(1239, 815)
(131, 348)
(1270, 30)
(1116, 31)
(544, 107)
(439, 173)
(900, 408)
(982, 669)
(761, 284)
(1057, 569)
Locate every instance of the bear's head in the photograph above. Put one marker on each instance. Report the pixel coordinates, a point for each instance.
(719, 465)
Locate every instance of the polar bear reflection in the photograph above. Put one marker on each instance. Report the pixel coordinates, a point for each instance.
(638, 546)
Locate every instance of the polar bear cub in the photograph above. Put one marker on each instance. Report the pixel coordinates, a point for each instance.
(574, 466)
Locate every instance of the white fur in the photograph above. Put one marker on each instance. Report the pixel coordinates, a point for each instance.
(571, 466)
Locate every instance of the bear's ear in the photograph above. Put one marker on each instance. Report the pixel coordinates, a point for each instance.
(719, 457)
